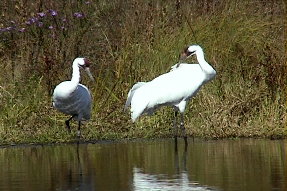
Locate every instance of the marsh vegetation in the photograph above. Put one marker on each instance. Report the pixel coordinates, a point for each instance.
(130, 41)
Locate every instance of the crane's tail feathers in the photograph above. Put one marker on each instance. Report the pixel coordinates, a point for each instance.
(131, 93)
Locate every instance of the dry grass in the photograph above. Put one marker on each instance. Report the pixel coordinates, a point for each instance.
(136, 41)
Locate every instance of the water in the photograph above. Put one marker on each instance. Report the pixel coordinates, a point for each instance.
(244, 164)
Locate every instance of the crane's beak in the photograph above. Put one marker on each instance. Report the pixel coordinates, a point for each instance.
(87, 69)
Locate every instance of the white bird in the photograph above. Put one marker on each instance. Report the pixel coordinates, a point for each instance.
(174, 88)
(73, 98)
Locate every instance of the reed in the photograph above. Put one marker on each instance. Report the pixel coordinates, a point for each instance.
(130, 41)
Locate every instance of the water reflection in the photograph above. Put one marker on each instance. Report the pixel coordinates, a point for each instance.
(147, 165)
(144, 181)
(179, 180)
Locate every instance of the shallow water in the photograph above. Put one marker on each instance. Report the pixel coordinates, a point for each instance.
(243, 164)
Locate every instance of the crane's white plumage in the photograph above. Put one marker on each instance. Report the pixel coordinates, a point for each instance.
(174, 88)
(73, 98)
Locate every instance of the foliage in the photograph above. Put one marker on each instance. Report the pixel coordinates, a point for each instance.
(130, 41)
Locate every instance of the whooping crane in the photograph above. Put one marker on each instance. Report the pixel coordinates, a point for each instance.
(174, 88)
(73, 98)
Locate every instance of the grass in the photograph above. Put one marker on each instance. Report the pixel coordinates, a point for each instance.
(137, 41)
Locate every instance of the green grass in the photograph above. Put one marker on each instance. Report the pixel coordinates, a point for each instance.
(137, 41)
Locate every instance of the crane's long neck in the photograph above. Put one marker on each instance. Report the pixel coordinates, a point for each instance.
(206, 68)
(75, 76)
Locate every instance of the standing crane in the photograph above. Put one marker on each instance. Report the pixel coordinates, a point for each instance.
(73, 98)
(174, 88)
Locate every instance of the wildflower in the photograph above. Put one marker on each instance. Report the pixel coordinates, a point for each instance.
(51, 27)
(87, 2)
(9, 28)
(53, 12)
(78, 15)
(31, 20)
(22, 29)
(42, 14)
(40, 24)
(28, 22)
(34, 19)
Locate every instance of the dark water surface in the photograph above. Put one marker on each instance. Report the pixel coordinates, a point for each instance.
(243, 164)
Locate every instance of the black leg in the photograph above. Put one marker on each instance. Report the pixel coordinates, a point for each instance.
(183, 128)
(175, 127)
(79, 130)
(67, 122)
(184, 157)
(79, 160)
(176, 159)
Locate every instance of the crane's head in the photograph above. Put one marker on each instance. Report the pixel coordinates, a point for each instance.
(189, 51)
(85, 64)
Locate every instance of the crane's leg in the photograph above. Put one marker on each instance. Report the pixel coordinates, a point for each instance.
(175, 128)
(183, 128)
(67, 122)
(176, 159)
(79, 130)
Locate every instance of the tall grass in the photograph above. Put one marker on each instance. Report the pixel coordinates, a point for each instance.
(130, 41)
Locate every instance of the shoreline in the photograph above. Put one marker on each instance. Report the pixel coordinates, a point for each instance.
(130, 140)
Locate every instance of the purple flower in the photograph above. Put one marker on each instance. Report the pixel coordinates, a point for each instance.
(28, 22)
(22, 30)
(42, 14)
(40, 24)
(34, 19)
(51, 27)
(78, 15)
(87, 2)
(31, 20)
(53, 12)
(9, 28)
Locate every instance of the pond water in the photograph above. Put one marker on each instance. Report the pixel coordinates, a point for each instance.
(243, 164)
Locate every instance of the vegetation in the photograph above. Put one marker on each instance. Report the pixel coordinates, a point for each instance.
(130, 41)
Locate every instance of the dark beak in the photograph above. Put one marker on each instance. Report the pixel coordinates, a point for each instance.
(87, 69)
